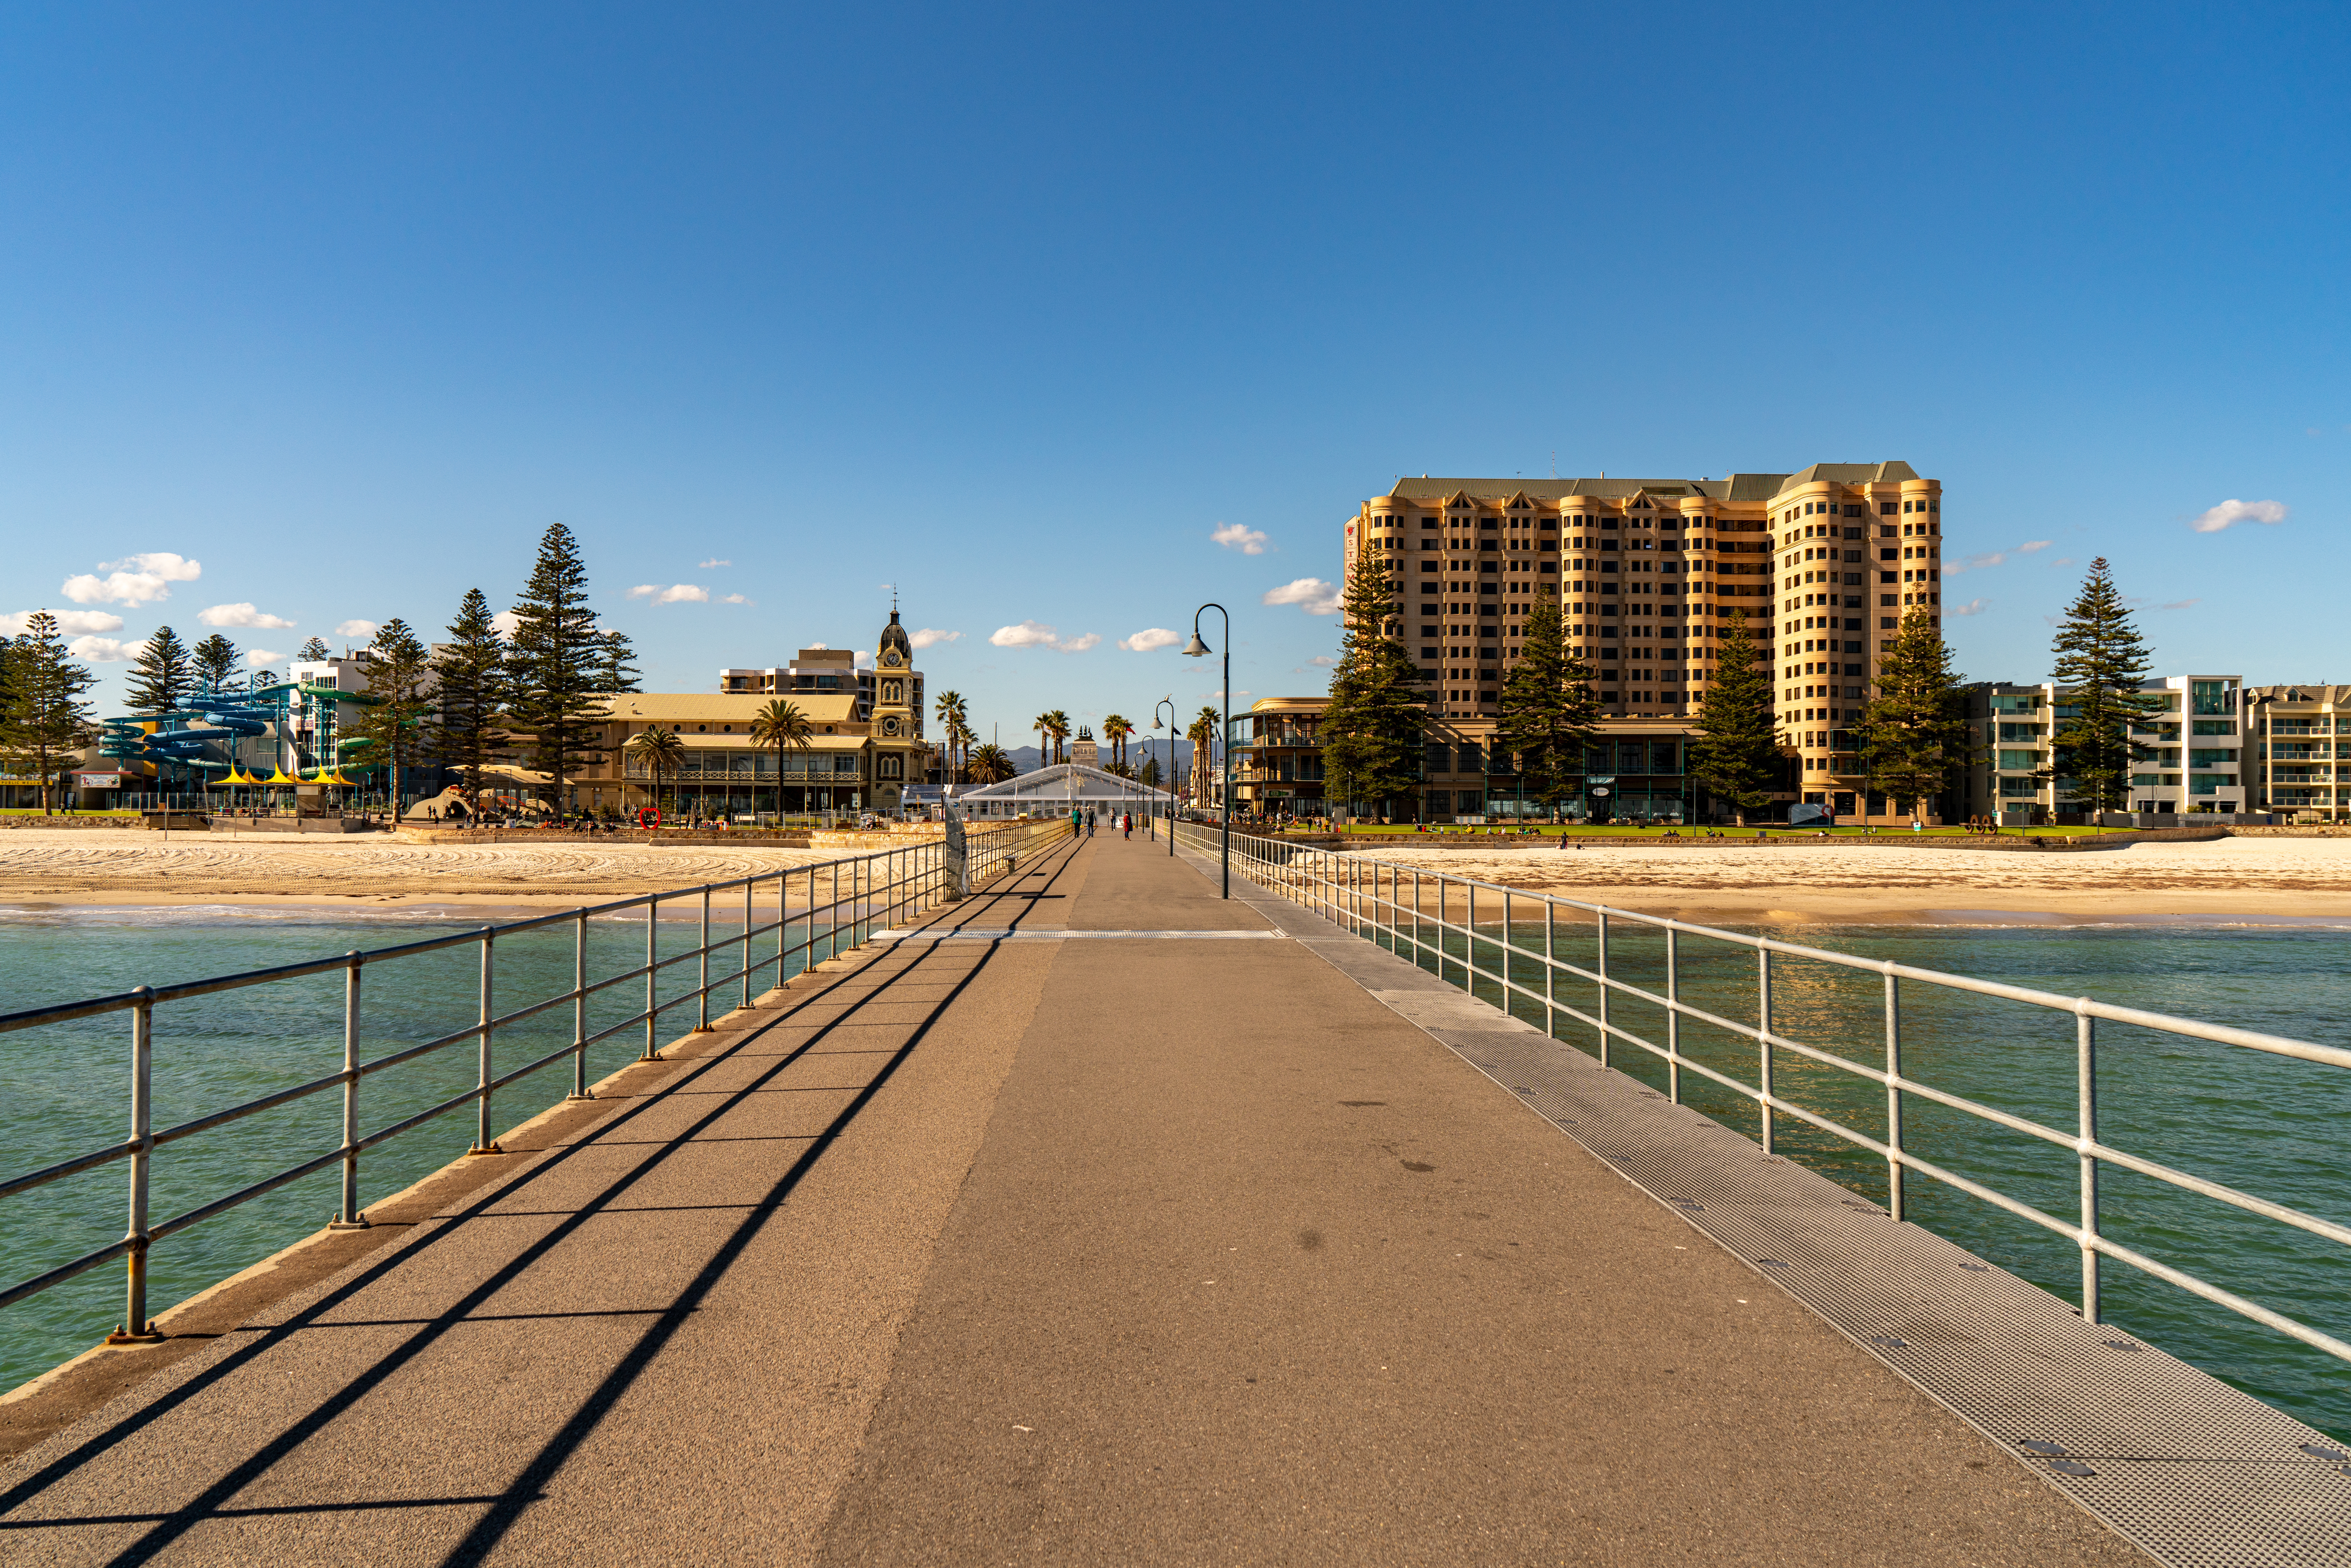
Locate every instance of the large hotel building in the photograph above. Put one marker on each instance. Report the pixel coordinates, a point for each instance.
(1647, 573)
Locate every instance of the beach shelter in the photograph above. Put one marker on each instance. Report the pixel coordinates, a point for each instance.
(278, 777)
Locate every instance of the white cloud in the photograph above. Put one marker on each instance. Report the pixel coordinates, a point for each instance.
(1232, 535)
(817, 645)
(2229, 513)
(1027, 635)
(258, 658)
(506, 621)
(863, 661)
(931, 636)
(1325, 660)
(242, 615)
(1310, 594)
(365, 631)
(1974, 563)
(73, 623)
(2179, 604)
(2033, 546)
(1143, 642)
(1037, 634)
(133, 580)
(713, 562)
(734, 598)
(675, 593)
(1973, 607)
(104, 650)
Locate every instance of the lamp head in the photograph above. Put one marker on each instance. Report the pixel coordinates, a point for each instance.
(1195, 648)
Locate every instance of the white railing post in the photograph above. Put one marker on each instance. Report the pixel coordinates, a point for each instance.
(652, 915)
(747, 884)
(702, 984)
(1894, 1193)
(135, 1329)
(1763, 1041)
(2085, 1040)
(579, 1007)
(1672, 1016)
(346, 1212)
(1550, 969)
(483, 1143)
(1602, 969)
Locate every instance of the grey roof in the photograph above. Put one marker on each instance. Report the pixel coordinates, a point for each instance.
(1739, 488)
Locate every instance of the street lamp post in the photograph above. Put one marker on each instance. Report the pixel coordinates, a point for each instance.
(1168, 702)
(1195, 650)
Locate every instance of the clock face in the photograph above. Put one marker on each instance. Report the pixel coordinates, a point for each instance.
(889, 727)
(891, 658)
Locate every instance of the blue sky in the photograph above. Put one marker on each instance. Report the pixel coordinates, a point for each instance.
(1016, 307)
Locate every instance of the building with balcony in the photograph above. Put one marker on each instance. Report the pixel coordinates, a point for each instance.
(1277, 756)
(2196, 743)
(2292, 765)
(1648, 574)
(865, 752)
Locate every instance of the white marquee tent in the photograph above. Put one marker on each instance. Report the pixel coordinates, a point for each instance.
(1051, 790)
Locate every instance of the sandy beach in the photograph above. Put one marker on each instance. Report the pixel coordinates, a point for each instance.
(1830, 882)
(1850, 882)
(65, 866)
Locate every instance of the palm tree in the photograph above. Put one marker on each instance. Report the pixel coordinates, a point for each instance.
(662, 752)
(1115, 729)
(1058, 723)
(1203, 737)
(962, 734)
(952, 714)
(990, 764)
(779, 724)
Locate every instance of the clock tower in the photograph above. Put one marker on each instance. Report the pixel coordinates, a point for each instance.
(897, 750)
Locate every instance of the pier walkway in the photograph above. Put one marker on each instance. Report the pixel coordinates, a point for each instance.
(1032, 1245)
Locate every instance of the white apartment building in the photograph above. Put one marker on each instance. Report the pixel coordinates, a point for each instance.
(2197, 739)
(2297, 734)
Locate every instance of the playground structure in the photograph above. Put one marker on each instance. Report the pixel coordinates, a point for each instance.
(200, 745)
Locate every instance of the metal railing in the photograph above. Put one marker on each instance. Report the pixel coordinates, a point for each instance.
(842, 902)
(1389, 902)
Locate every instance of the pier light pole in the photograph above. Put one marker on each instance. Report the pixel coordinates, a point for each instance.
(1168, 702)
(1196, 649)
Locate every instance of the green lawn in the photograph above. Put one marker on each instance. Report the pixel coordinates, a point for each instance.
(37, 811)
(1620, 832)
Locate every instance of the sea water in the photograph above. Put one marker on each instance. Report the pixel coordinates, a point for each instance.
(2275, 1127)
(67, 1086)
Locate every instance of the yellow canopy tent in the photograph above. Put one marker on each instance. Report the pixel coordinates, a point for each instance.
(278, 777)
(237, 776)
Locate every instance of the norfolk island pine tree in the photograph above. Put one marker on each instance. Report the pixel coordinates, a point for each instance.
(1914, 733)
(2101, 663)
(1373, 720)
(1738, 741)
(1550, 715)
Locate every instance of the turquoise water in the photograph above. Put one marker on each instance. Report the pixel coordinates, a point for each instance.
(2275, 1127)
(68, 1084)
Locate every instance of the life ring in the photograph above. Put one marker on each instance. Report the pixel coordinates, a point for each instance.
(653, 811)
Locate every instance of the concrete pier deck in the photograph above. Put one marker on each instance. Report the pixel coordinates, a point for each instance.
(1057, 1249)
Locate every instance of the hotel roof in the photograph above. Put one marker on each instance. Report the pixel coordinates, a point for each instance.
(1735, 488)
